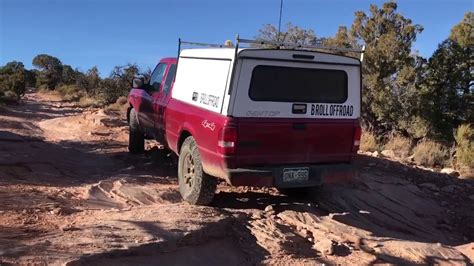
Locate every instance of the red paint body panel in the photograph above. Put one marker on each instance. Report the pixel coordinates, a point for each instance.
(181, 118)
(269, 141)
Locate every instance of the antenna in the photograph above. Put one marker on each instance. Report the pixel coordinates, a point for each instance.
(279, 20)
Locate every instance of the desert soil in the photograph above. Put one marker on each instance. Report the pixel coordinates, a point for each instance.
(71, 194)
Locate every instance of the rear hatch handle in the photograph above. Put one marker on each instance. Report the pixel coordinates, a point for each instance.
(299, 126)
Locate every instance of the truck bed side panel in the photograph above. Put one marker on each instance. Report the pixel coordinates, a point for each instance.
(203, 125)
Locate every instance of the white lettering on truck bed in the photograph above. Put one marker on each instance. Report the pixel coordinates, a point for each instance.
(210, 100)
(202, 82)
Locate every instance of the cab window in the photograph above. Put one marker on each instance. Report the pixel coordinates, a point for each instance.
(169, 79)
(157, 76)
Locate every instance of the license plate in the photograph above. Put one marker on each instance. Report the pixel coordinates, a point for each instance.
(295, 174)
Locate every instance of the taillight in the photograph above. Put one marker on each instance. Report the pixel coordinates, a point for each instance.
(357, 134)
(227, 140)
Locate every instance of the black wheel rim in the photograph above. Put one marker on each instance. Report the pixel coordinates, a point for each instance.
(188, 170)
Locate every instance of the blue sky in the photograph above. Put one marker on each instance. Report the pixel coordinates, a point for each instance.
(84, 33)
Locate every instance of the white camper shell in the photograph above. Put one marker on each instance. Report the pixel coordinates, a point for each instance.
(269, 83)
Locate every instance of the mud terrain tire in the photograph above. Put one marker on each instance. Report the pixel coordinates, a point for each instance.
(195, 186)
(136, 139)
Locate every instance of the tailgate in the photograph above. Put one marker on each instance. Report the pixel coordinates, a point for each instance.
(290, 141)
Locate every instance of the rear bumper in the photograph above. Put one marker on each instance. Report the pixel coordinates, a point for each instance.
(273, 176)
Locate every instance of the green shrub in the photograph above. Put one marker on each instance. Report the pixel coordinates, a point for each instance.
(368, 142)
(111, 90)
(430, 153)
(464, 137)
(399, 145)
(12, 81)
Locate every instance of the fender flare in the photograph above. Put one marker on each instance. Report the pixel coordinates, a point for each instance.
(186, 127)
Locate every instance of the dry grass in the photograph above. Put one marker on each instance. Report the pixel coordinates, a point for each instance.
(120, 105)
(368, 142)
(72, 93)
(399, 145)
(464, 137)
(87, 101)
(69, 93)
(430, 153)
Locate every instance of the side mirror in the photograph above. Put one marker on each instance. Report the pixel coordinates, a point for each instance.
(138, 82)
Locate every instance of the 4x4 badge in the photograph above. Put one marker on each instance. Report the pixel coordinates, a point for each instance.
(207, 124)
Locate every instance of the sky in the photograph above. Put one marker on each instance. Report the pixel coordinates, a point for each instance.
(106, 33)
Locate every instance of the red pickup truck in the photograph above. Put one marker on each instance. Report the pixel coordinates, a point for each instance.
(253, 117)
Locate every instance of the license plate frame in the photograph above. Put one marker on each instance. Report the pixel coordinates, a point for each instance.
(295, 175)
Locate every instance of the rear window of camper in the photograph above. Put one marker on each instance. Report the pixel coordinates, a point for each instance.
(290, 84)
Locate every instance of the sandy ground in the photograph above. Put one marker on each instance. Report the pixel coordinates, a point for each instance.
(71, 194)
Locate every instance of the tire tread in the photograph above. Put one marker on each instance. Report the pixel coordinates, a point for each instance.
(136, 139)
(203, 192)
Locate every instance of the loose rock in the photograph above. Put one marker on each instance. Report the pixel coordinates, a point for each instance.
(304, 233)
(388, 153)
(449, 171)
(269, 208)
(325, 246)
(257, 215)
(66, 228)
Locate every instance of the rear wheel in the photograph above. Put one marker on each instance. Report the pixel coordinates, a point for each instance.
(136, 139)
(195, 186)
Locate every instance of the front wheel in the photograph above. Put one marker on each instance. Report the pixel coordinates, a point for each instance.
(195, 186)
(136, 139)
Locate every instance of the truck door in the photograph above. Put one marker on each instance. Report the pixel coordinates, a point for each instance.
(162, 102)
(149, 99)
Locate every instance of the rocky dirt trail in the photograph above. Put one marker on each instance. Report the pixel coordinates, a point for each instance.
(71, 194)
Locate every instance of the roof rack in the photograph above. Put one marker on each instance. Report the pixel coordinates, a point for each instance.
(276, 44)
(180, 42)
(293, 45)
(203, 44)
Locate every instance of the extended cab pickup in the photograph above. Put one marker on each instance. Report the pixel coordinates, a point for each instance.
(253, 117)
